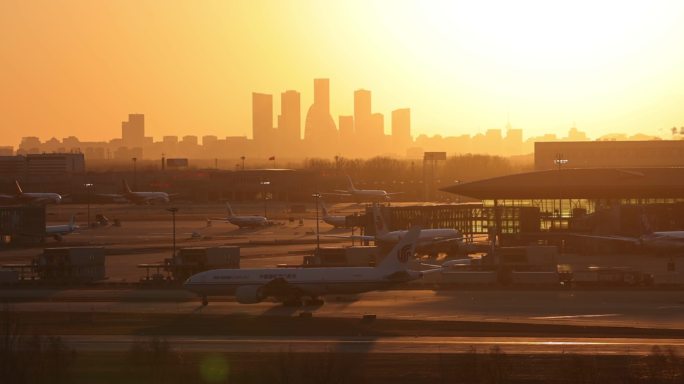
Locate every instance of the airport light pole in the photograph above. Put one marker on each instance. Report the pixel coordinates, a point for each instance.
(173, 211)
(317, 196)
(265, 185)
(88, 186)
(135, 173)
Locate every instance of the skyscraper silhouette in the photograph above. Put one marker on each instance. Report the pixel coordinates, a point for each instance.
(362, 113)
(320, 129)
(262, 117)
(346, 129)
(401, 127)
(290, 120)
(133, 131)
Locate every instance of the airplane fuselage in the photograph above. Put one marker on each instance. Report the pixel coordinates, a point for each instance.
(426, 235)
(46, 197)
(336, 220)
(664, 241)
(147, 197)
(310, 281)
(247, 221)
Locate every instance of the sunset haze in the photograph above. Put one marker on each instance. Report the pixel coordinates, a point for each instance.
(78, 68)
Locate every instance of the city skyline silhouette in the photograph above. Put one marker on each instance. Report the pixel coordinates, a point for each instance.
(461, 68)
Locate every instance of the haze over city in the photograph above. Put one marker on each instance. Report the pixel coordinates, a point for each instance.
(78, 68)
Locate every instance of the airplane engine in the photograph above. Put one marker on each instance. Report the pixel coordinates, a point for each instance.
(249, 294)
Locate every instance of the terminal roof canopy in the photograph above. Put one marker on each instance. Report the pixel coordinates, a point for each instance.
(579, 183)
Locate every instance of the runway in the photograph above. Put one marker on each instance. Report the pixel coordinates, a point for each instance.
(405, 345)
(621, 308)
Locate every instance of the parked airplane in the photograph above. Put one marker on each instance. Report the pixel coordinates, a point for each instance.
(360, 195)
(431, 241)
(60, 230)
(337, 221)
(32, 197)
(290, 285)
(243, 221)
(662, 241)
(140, 197)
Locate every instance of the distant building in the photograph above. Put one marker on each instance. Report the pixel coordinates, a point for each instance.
(290, 119)
(320, 129)
(401, 128)
(362, 112)
(377, 125)
(262, 117)
(6, 151)
(58, 172)
(346, 129)
(133, 131)
(49, 164)
(609, 154)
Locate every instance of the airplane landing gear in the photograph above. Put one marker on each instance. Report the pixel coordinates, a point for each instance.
(205, 301)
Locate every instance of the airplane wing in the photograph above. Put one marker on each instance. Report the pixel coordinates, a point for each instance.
(354, 237)
(624, 239)
(7, 198)
(110, 195)
(338, 193)
(395, 193)
(280, 288)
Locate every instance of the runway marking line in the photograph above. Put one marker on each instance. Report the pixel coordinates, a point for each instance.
(574, 316)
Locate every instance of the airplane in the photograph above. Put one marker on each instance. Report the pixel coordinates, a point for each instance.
(363, 194)
(243, 221)
(140, 197)
(290, 285)
(337, 221)
(431, 241)
(32, 197)
(661, 241)
(60, 230)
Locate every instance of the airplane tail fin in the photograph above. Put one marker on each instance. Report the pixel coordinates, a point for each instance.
(379, 222)
(324, 209)
(126, 188)
(72, 222)
(646, 227)
(230, 210)
(18, 187)
(397, 259)
(351, 184)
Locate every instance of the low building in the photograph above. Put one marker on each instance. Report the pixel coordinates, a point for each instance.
(71, 264)
(21, 224)
(608, 154)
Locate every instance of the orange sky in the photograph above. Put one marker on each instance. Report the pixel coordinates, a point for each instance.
(79, 67)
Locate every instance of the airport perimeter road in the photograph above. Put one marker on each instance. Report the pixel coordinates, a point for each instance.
(414, 345)
(622, 308)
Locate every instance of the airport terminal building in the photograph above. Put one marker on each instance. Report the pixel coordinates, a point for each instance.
(526, 205)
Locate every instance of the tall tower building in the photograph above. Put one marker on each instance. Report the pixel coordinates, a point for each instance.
(362, 112)
(320, 127)
(290, 120)
(377, 125)
(133, 131)
(401, 128)
(262, 117)
(346, 129)
(322, 93)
